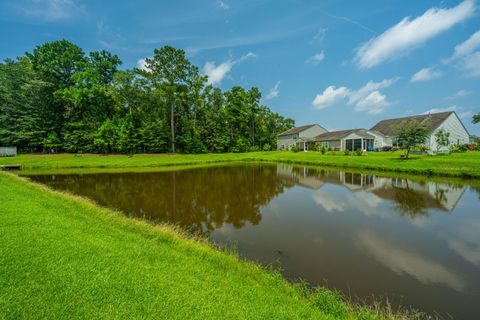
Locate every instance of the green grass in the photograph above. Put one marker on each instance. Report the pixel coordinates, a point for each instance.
(63, 257)
(457, 165)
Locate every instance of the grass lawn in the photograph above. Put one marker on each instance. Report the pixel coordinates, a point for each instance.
(63, 257)
(458, 164)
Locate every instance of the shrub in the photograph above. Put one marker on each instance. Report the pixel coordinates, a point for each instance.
(358, 152)
(295, 148)
(472, 147)
(267, 147)
(323, 150)
(346, 152)
(457, 148)
(393, 149)
(423, 148)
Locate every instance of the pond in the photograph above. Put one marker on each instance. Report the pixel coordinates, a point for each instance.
(414, 241)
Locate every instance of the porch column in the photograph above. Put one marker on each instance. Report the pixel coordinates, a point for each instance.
(304, 146)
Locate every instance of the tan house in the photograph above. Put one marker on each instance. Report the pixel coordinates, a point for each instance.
(352, 140)
(299, 136)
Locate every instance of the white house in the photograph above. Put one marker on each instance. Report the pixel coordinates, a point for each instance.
(299, 136)
(447, 121)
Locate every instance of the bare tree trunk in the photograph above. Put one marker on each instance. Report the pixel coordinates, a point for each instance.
(172, 125)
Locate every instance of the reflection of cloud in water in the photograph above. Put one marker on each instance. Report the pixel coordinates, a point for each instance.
(466, 241)
(335, 201)
(402, 261)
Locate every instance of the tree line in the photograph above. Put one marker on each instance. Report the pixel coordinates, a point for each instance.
(57, 98)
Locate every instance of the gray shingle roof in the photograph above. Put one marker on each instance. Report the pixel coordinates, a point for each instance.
(337, 135)
(389, 127)
(296, 130)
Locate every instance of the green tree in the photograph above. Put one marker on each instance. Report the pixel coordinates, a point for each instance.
(411, 134)
(476, 118)
(107, 136)
(23, 117)
(170, 72)
(442, 138)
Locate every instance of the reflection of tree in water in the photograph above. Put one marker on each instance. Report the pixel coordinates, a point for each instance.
(409, 201)
(200, 200)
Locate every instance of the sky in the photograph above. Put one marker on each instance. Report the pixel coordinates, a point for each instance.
(341, 64)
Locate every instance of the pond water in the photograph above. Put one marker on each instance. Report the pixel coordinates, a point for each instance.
(416, 242)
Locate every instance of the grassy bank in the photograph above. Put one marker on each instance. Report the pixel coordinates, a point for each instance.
(457, 165)
(64, 257)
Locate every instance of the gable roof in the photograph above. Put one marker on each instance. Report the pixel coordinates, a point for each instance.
(337, 135)
(297, 129)
(432, 121)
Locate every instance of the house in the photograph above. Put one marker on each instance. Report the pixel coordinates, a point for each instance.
(447, 121)
(299, 136)
(353, 139)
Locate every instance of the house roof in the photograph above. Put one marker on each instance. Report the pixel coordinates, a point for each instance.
(337, 135)
(297, 130)
(432, 121)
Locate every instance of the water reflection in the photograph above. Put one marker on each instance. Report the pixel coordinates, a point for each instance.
(409, 197)
(415, 241)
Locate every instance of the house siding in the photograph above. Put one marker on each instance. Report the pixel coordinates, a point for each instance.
(454, 126)
(287, 142)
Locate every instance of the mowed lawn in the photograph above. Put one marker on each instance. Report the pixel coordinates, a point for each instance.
(459, 164)
(63, 257)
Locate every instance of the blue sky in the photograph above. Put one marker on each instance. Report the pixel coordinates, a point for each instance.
(341, 64)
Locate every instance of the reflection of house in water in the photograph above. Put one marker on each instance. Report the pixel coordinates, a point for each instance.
(411, 195)
(436, 195)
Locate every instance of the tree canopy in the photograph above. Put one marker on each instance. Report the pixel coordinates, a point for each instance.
(411, 134)
(58, 98)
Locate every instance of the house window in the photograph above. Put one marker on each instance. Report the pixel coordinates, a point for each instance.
(326, 144)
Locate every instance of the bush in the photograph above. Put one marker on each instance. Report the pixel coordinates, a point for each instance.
(323, 150)
(295, 148)
(358, 152)
(423, 148)
(254, 148)
(472, 147)
(393, 149)
(346, 152)
(267, 147)
(458, 148)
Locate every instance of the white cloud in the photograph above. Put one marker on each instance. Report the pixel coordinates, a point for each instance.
(217, 73)
(471, 65)
(374, 103)
(408, 261)
(466, 56)
(274, 92)
(467, 47)
(319, 36)
(461, 112)
(329, 96)
(460, 94)
(408, 34)
(51, 10)
(142, 64)
(316, 58)
(371, 86)
(366, 99)
(222, 5)
(426, 74)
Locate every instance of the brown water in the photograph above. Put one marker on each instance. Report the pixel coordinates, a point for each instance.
(415, 242)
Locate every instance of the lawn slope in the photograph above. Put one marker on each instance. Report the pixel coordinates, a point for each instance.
(63, 257)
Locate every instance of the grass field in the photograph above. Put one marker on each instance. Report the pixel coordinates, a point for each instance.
(458, 164)
(63, 257)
